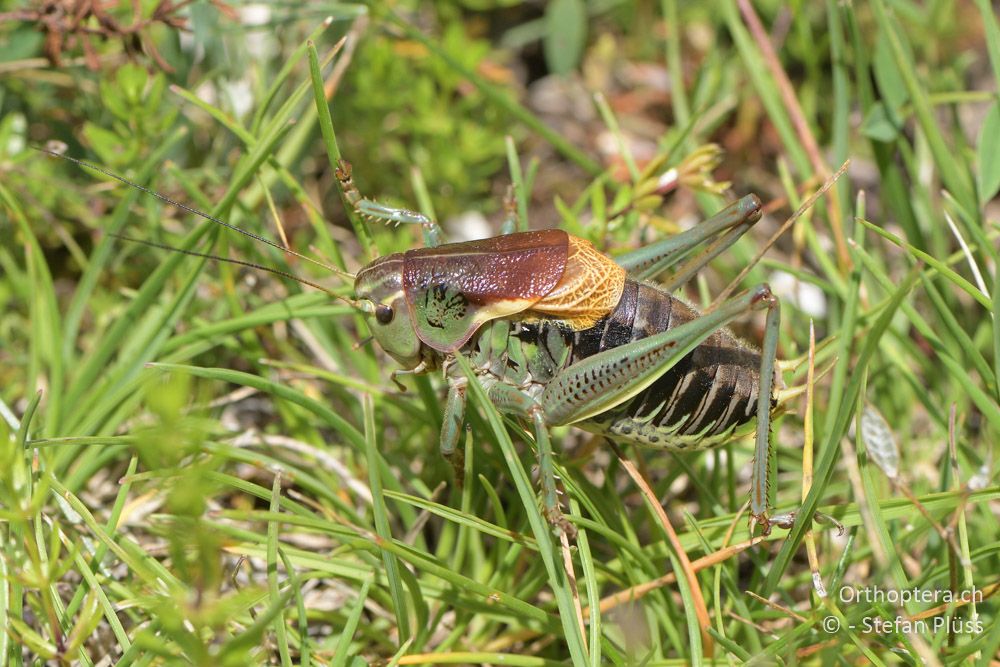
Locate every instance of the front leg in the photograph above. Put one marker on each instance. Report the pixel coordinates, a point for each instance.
(421, 369)
(512, 219)
(372, 210)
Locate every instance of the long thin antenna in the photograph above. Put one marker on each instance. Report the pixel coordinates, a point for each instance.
(806, 205)
(189, 209)
(240, 262)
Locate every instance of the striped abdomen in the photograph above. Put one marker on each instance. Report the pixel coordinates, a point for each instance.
(698, 402)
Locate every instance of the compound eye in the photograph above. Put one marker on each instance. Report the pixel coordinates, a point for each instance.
(383, 313)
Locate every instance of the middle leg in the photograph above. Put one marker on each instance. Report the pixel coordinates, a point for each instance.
(510, 399)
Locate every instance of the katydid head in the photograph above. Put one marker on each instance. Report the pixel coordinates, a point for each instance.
(378, 287)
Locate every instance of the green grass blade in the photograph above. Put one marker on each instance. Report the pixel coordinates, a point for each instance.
(557, 577)
(286, 70)
(767, 90)
(834, 429)
(382, 528)
(334, 420)
(946, 271)
(992, 28)
(97, 263)
(361, 229)
(45, 315)
(464, 519)
(272, 576)
(350, 626)
(954, 174)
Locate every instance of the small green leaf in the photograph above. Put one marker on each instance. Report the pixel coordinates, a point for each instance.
(879, 125)
(890, 82)
(108, 145)
(989, 155)
(565, 35)
(21, 43)
(159, 115)
(86, 623)
(35, 643)
(114, 101)
(132, 80)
